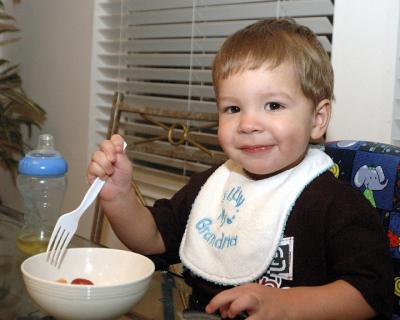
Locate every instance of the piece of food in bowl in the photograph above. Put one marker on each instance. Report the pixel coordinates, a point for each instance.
(62, 280)
(81, 281)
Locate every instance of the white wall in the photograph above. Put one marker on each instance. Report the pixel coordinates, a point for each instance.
(364, 60)
(55, 57)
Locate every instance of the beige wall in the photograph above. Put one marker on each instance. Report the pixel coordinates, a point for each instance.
(55, 58)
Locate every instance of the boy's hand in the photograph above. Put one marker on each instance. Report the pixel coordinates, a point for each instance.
(335, 300)
(110, 163)
(260, 302)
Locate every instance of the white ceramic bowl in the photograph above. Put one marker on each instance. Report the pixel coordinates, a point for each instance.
(120, 278)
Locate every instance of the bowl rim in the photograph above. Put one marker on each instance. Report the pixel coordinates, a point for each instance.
(80, 286)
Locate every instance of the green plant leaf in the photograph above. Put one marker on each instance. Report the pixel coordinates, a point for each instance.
(5, 16)
(9, 71)
(5, 27)
(17, 110)
(20, 99)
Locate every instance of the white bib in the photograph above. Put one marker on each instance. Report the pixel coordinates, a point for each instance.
(236, 223)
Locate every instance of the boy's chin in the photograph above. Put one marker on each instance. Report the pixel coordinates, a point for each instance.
(259, 175)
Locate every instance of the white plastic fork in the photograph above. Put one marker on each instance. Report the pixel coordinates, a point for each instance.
(67, 224)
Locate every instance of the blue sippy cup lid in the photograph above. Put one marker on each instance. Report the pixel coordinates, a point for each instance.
(43, 161)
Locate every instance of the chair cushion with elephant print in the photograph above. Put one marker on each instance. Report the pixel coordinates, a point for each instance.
(374, 169)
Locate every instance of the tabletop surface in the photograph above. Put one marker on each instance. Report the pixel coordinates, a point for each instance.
(165, 299)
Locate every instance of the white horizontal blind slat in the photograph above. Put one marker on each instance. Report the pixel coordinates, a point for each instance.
(177, 89)
(159, 53)
(142, 5)
(212, 29)
(156, 184)
(264, 9)
(172, 45)
(159, 59)
(160, 102)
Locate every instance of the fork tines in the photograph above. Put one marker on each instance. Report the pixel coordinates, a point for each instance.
(59, 241)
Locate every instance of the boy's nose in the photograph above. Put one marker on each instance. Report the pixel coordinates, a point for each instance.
(249, 123)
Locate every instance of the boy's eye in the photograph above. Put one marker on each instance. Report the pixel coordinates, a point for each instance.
(232, 109)
(271, 106)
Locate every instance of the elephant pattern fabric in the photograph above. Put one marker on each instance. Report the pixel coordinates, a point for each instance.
(374, 169)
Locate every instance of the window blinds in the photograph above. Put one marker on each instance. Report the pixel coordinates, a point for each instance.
(159, 53)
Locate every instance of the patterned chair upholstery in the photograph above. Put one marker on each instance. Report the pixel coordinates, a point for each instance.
(374, 169)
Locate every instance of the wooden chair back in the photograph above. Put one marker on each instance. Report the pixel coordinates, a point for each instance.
(166, 147)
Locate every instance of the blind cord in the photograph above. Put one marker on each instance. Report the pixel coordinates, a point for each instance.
(121, 26)
(191, 55)
(278, 8)
(189, 98)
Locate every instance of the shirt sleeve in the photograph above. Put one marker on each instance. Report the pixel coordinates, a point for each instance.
(358, 250)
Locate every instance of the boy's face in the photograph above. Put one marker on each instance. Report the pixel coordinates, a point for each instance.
(265, 121)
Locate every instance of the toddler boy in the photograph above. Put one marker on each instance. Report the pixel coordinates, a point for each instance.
(270, 233)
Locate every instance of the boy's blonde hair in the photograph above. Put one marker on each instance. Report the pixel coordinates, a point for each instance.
(271, 42)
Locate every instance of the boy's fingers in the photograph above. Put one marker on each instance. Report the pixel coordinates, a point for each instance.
(246, 302)
(110, 149)
(118, 142)
(222, 299)
(233, 301)
(96, 170)
(101, 164)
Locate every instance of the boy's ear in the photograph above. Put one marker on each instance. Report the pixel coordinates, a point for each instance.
(322, 115)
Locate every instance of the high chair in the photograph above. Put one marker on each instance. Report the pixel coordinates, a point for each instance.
(374, 169)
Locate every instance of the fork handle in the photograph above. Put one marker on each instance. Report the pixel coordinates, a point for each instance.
(91, 194)
(93, 191)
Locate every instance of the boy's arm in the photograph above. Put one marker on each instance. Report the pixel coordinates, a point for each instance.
(337, 300)
(131, 221)
(133, 224)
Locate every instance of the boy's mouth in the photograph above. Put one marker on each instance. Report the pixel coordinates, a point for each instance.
(255, 148)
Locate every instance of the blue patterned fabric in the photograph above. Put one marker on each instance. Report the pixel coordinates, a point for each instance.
(374, 169)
